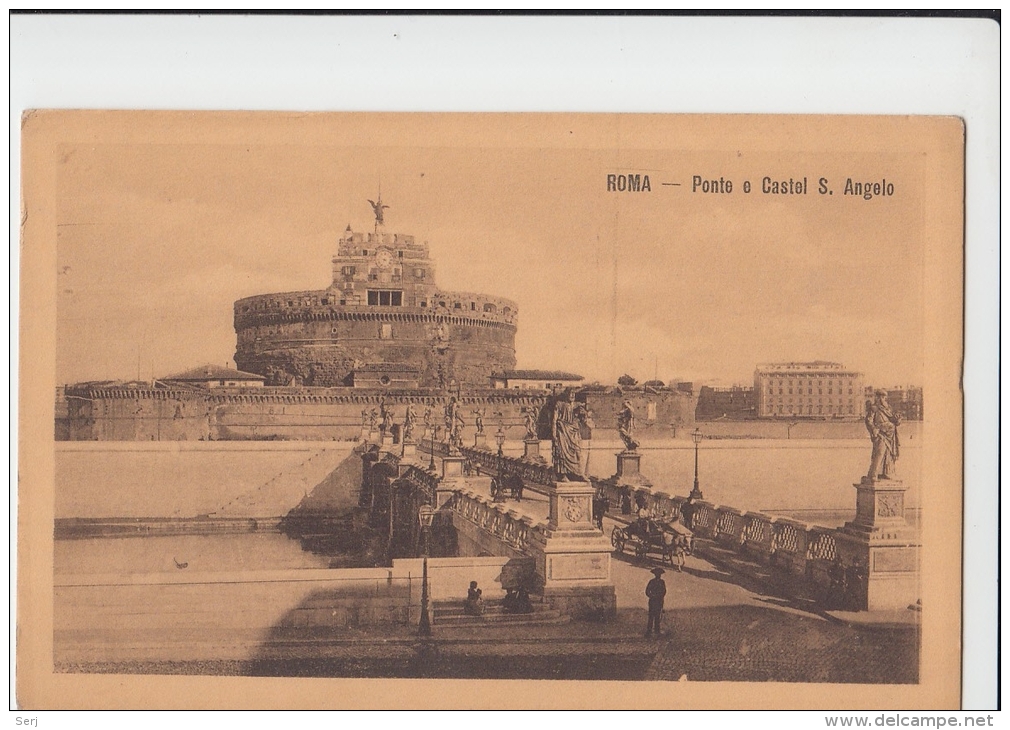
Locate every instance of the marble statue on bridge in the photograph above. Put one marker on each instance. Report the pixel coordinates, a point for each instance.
(531, 414)
(626, 426)
(569, 417)
(409, 419)
(882, 423)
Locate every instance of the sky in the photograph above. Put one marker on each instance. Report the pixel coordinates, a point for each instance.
(158, 233)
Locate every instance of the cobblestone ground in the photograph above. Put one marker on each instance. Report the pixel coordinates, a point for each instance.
(718, 626)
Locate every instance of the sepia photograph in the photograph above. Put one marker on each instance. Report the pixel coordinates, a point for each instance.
(574, 399)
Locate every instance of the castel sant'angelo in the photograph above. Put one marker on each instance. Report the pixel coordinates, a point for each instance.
(314, 365)
(382, 311)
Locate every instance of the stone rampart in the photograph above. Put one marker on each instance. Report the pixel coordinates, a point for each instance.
(313, 339)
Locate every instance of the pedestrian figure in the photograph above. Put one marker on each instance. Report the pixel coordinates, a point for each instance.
(656, 592)
(600, 506)
(474, 603)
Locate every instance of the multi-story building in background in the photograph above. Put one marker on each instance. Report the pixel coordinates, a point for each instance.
(906, 402)
(816, 389)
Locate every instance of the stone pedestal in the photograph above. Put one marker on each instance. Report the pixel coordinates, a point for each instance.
(573, 556)
(531, 449)
(387, 442)
(480, 440)
(629, 464)
(883, 544)
(628, 480)
(452, 467)
(366, 435)
(408, 458)
(629, 473)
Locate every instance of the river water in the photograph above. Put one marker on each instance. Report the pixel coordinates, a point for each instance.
(811, 480)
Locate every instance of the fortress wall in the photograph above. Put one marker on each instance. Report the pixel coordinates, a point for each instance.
(323, 351)
(673, 411)
(314, 414)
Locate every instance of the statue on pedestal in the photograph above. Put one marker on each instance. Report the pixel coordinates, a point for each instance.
(567, 438)
(479, 419)
(531, 413)
(454, 424)
(626, 426)
(882, 423)
(409, 418)
(373, 417)
(386, 418)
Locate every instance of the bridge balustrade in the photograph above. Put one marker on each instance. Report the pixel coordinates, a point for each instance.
(508, 526)
(758, 534)
(795, 547)
(490, 463)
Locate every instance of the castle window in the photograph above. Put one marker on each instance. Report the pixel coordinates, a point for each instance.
(489, 307)
(385, 298)
(325, 301)
(400, 254)
(364, 252)
(418, 273)
(457, 305)
(473, 306)
(347, 271)
(424, 304)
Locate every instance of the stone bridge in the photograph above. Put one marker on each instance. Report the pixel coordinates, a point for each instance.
(869, 564)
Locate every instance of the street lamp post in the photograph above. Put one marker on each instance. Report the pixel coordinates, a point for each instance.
(696, 436)
(499, 439)
(431, 464)
(425, 516)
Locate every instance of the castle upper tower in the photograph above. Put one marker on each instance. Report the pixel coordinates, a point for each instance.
(382, 269)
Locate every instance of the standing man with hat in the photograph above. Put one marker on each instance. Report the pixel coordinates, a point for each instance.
(656, 591)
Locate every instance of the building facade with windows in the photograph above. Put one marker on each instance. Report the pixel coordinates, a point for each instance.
(534, 380)
(383, 306)
(814, 390)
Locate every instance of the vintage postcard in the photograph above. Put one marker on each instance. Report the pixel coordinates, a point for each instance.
(636, 411)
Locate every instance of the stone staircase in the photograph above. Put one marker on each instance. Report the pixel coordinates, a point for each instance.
(448, 614)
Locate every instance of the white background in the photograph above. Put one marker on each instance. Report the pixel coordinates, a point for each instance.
(592, 64)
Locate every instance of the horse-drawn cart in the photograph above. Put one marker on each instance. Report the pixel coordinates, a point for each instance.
(649, 537)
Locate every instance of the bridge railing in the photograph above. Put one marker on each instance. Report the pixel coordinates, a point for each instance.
(813, 552)
(424, 481)
(508, 526)
(488, 462)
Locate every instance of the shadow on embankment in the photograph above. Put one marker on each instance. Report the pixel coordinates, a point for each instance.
(329, 522)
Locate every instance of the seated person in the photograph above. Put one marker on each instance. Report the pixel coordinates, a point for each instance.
(517, 600)
(474, 603)
(523, 603)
